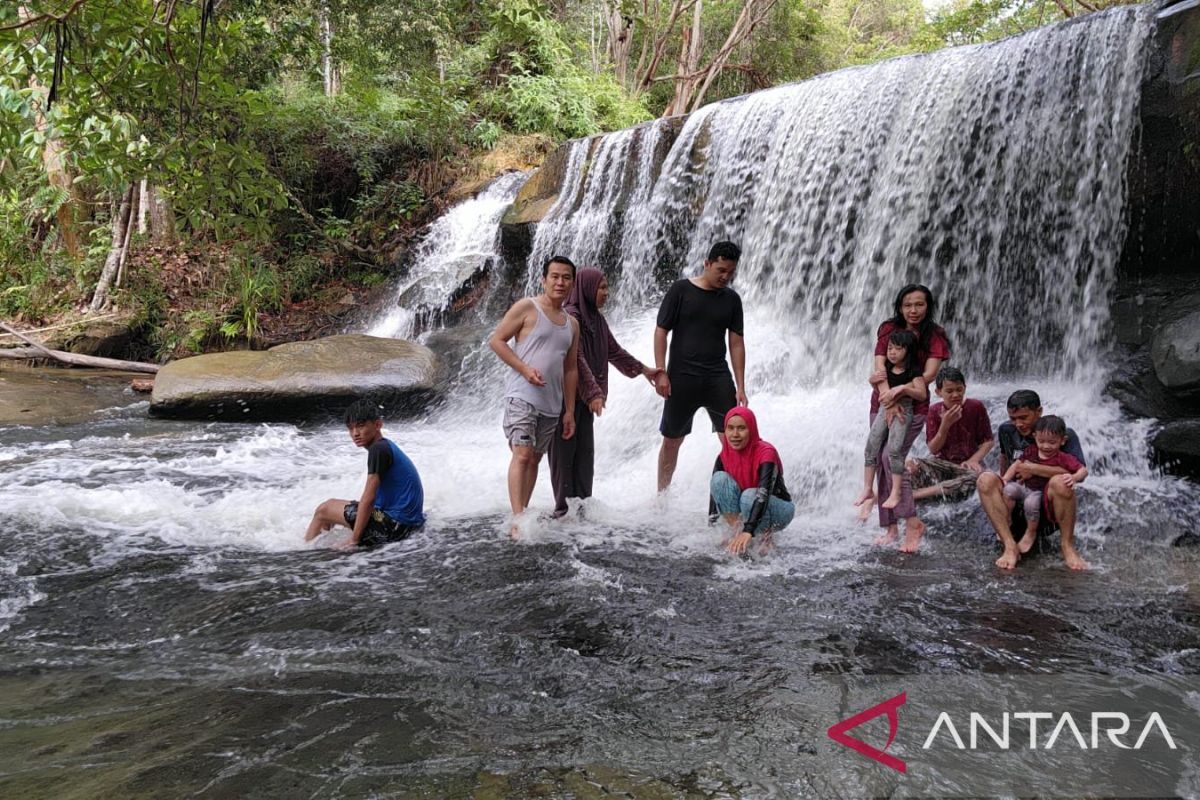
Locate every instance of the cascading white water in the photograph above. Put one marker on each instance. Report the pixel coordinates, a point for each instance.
(604, 174)
(995, 174)
(460, 242)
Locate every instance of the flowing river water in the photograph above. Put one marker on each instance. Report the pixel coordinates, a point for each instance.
(165, 632)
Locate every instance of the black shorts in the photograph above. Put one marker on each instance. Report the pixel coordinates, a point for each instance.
(381, 529)
(716, 394)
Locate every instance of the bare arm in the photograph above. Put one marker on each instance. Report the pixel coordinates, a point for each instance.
(980, 453)
(510, 328)
(737, 355)
(660, 348)
(662, 383)
(366, 507)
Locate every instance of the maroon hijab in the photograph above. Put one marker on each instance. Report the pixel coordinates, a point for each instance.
(743, 464)
(593, 328)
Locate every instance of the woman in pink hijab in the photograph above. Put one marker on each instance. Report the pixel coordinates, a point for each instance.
(747, 484)
(572, 460)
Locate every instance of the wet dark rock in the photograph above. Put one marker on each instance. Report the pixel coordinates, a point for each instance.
(1164, 170)
(1156, 369)
(297, 380)
(1177, 446)
(1176, 354)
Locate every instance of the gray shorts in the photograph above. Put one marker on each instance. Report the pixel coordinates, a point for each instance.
(525, 426)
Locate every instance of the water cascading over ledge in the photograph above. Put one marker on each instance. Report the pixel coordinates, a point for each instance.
(996, 173)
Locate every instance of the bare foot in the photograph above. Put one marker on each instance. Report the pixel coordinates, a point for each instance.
(892, 501)
(888, 536)
(866, 497)
(913, 531)
(864, 510)
(514, 530)
(1009, 559)
(1071, 556)
(1026, 543)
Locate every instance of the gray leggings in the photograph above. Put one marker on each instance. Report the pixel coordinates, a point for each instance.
(894, 435)
(1030, 499)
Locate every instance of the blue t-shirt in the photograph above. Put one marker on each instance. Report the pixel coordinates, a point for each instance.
(400, 495)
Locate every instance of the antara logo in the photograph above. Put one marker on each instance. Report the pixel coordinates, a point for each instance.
(891, 708)
(1112, 724)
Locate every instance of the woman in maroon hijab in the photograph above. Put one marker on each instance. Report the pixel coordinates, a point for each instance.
(572, 461)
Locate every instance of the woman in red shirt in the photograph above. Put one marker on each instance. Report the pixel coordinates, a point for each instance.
(915, 311)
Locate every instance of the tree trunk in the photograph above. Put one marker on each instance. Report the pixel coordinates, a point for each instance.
(116, 251)
(689, 64)
(162, 218)
(329, 68)
(143, 207)
(620, 40)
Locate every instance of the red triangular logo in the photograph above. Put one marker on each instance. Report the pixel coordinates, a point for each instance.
(890, 707)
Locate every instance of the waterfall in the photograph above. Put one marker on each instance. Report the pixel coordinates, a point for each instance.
(995, 174)
(457, 247)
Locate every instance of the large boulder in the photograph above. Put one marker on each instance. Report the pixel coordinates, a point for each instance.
(1177, 446)
(1176, 354)
(298, 380)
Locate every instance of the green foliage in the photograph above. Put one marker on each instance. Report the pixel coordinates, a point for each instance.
(569, 103)
(255, 288)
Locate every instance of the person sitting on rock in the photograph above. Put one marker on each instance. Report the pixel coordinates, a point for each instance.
(959, 435)
(1024, 410)
(392, 493)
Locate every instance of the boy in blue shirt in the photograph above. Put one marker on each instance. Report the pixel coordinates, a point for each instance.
(393, 489)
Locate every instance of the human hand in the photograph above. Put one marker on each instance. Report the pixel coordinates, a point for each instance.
(742, 400)
(568, 421)
(346, 545)
(596, 405)
(891, 413)
(1022, 469)
(952, 415)
(533, 376)
(973, 465)
(878, 376)
(1067, 480)
(887, 398)
(662, 384)
(650, 374)
(738, 544)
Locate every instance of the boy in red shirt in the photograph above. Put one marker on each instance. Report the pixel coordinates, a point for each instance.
(959, 435)
(1049, 434)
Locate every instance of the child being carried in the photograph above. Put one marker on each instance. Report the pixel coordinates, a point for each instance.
(1049, 434)
(892, 423)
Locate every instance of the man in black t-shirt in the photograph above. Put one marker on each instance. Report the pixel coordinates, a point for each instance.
(698, 313)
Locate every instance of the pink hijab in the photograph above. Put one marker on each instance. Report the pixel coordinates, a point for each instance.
(743, 464)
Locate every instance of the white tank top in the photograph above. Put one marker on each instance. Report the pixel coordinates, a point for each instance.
(543, 349)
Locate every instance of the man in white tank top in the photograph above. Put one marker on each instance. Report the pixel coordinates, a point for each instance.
(544, 372)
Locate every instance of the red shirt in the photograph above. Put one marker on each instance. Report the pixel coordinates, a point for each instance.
(1065, 460)
(965, 436)
(938, 347)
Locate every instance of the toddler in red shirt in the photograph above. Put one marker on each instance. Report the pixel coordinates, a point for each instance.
(1046, 455)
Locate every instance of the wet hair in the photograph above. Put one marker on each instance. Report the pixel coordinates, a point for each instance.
(1050, 424)
(726, 250)
(1024, 398)
(952, 374)
(907, 340)
(362, 411)
(557, 260)
(928, 325)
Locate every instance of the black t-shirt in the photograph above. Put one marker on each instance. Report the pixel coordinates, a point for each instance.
(902, 378)
(1012, 443)
(698, 319)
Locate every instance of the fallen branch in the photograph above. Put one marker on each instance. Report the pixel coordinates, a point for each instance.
(61, 325)
(77, 360)
(38, 350)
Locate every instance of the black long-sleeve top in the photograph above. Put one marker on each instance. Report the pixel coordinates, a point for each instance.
(770, 484)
